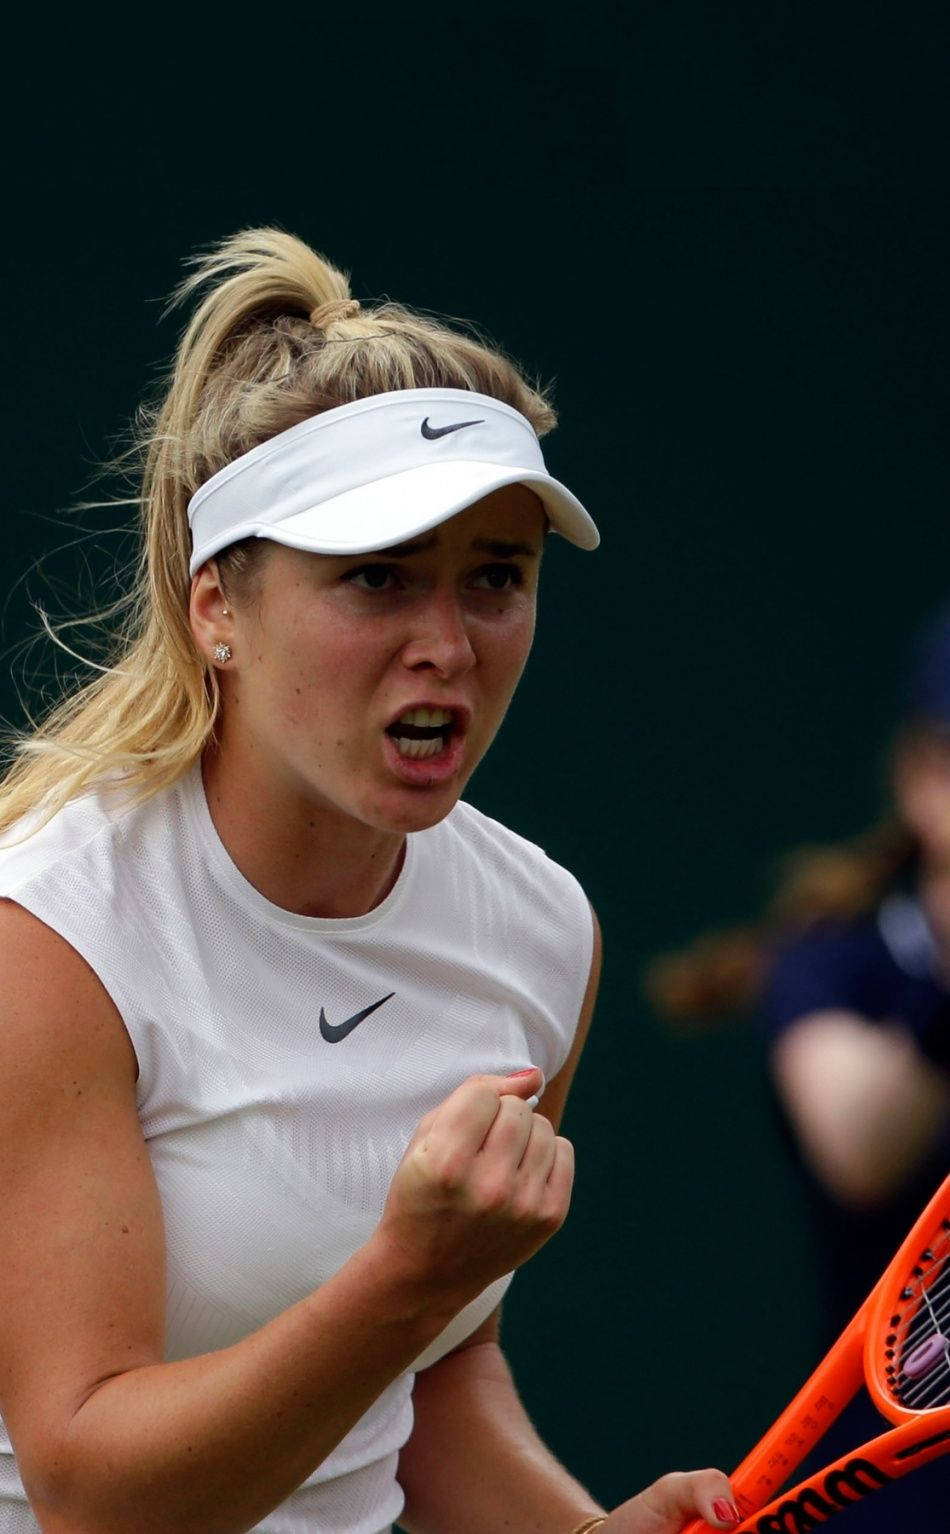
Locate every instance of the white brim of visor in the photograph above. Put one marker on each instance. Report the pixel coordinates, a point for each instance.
(273, 491)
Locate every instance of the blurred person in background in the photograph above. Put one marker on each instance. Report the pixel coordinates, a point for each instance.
(849, 972)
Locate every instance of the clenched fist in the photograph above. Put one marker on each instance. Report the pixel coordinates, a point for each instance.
(483, 1184)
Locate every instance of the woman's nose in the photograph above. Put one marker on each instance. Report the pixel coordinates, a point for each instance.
(440, 640)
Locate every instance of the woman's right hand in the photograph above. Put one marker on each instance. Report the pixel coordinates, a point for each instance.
(485, 1181)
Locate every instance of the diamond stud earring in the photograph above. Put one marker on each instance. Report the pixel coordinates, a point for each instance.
(222, 652)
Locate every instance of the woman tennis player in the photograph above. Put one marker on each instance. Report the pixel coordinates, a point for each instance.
(277, 1004)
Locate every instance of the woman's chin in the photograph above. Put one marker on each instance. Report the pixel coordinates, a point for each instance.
(414, 811)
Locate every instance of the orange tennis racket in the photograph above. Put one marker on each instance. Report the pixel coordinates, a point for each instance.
(898, 1345)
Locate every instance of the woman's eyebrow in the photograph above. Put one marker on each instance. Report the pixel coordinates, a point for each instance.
(414, 546)
(500, 549)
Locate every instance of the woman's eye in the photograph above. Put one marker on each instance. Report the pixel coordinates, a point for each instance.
(498, 578)
(372, 577)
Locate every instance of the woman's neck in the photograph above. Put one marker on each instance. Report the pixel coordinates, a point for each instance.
(305, 857)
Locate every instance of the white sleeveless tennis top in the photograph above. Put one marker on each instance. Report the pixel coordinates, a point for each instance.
(273, 1120)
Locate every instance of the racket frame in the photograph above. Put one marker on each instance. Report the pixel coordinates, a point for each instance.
(867, 1349)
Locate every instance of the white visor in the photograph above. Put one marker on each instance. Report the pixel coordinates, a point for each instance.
(375, 473)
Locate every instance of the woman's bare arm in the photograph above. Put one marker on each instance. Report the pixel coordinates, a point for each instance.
(474, 1463)
(865, 1104)
(110, 1438)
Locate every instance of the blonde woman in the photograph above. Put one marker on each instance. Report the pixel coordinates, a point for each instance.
(287, 1026)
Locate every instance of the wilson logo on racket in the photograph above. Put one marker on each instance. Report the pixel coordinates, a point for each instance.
(898, 1345)
(840, 1489)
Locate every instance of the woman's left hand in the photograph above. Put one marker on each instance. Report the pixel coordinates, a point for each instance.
(673, 1501)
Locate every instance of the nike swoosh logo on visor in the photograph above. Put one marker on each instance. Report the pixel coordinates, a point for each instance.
(431, 432)
(334, 1032)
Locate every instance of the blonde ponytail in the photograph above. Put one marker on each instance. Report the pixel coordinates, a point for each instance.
(276, 337)
(723, 972)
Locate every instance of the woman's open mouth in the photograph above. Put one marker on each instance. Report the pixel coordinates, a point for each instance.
(422, 732)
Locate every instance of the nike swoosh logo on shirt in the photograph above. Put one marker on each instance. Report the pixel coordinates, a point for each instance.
(334, 1032)
(431, 432)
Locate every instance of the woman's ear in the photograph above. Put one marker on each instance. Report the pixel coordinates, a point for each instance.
(210, 615)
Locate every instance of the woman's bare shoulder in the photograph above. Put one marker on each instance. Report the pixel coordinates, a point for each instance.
(50, 998)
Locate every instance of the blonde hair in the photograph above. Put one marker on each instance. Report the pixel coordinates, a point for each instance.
(276, 338)
(724, 972)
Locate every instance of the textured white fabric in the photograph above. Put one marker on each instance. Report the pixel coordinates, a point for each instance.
(376, 472)
(272, 1148)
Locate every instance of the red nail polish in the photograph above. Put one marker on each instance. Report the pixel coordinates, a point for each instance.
(529, 1070)
(726, 1512)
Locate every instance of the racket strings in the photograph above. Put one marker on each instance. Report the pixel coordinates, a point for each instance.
(920, 1378)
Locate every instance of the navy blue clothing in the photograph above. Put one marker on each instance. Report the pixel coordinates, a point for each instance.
(883, 968)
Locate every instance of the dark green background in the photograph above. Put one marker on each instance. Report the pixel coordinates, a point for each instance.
(722, 231)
